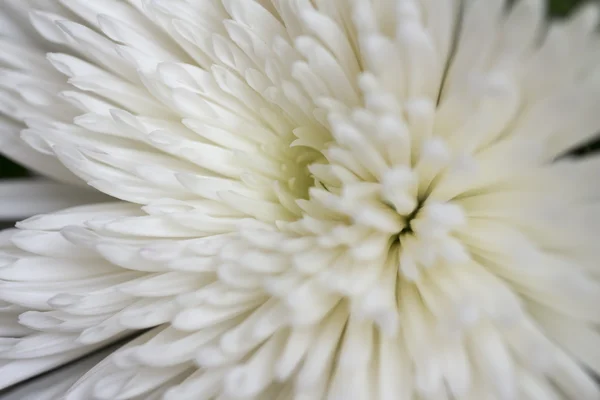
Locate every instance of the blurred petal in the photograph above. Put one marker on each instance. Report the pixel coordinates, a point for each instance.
(22, 198)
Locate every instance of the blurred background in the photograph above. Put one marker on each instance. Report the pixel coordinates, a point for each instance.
(558, 8)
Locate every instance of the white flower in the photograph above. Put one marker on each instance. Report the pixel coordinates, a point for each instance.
(326, 199)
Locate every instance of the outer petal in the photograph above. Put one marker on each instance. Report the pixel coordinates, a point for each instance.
(24, 198)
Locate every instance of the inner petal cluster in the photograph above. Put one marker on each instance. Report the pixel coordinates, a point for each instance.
(370, 217)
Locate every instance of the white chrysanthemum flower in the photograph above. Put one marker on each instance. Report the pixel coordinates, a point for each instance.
(311, 199)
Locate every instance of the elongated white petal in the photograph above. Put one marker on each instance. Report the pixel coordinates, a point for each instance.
(56, 383)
